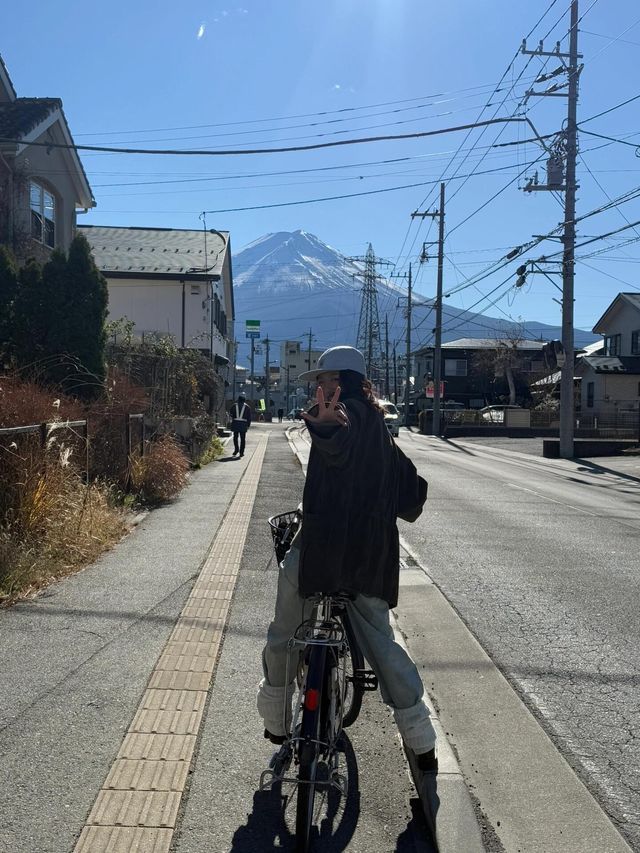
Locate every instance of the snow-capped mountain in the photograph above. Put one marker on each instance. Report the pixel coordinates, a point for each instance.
(294, 283)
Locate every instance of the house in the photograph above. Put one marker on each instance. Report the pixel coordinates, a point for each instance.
(170, 283)
(475, 371)
(42, 187)
(611, 380)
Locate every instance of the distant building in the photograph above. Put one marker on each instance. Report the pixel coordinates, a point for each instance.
(469, 366)
(42, 187)
(611, 380)
(294, 360)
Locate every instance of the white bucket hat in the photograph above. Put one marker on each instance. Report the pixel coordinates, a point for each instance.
(335, 359)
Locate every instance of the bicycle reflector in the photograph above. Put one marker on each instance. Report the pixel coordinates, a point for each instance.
(312, 699)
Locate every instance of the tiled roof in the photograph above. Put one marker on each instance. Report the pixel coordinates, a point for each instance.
(165, 251)
(19, 117)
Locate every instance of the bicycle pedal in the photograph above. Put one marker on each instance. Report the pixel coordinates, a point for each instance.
(365, 679)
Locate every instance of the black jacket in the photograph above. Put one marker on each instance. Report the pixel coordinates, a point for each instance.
(349, 537)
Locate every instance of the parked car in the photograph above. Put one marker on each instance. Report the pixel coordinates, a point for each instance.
(391, 417)
(495, 414)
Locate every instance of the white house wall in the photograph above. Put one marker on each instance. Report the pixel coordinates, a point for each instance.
(157, 307)
(611, 393)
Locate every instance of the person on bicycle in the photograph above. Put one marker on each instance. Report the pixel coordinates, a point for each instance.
(348, 542)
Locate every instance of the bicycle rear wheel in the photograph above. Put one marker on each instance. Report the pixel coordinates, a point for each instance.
(353, 690)
(309, 746)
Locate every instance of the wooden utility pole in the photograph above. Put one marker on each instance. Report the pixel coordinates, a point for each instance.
(309, 362)
(437, 355)
(407, 373)
(267, 376)
(564, 152)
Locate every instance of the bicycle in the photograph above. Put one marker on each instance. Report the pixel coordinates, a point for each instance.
(331, 680)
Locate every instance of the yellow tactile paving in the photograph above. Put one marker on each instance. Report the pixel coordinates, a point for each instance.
(175, 680)
(177, 700)
(157, 747)
(115, 839)
(136, 810)
(129, 774)
(166, 722)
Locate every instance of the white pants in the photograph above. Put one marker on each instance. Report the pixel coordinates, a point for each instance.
(398, 678)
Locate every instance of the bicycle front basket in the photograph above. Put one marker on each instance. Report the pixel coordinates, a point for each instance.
(283, 529)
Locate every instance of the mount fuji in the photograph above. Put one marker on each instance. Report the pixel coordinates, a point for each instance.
(296, 284)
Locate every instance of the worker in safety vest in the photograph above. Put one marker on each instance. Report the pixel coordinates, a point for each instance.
(240, 423)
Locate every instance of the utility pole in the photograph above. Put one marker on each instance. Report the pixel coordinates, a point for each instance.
(565, 148)
(387, 392)
(235, 362)
(267, 401)
(395, 376)
(311, 336)
(437, 354)
(407, 373)
(569, 239)
(253, 354)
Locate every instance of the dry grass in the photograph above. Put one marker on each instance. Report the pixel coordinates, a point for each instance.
(161, 473)
(53, 524)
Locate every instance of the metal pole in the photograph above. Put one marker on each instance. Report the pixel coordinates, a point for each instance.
(267, 402)
(387, 392)
(437, 356)
(253, 353)
(407, 374)
(569, 236)
(395, 375)
(309, 363)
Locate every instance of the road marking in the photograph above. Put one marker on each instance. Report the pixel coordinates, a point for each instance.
(553, 500)
(138, 805)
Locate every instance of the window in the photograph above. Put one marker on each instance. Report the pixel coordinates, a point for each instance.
(612, 344)
(635, 342)
(590, 391)
(43, 214)
(455, 367)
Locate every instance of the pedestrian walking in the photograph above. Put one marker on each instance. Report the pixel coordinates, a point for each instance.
(240, 423)
(358, 483)
(280, 415)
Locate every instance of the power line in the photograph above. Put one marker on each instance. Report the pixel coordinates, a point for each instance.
(242, 151)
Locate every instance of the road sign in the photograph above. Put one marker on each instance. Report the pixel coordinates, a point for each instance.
(252, 326)
(252, 334)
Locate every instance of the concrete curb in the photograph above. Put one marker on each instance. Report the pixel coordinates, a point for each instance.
(446, 801)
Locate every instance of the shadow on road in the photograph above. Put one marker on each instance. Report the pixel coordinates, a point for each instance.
(592, 468)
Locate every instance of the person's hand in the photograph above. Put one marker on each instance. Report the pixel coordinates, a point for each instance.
(331, 413)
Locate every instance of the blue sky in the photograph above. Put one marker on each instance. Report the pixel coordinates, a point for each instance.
(258, 72)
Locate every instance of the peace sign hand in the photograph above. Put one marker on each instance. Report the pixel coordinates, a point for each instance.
(331, 413)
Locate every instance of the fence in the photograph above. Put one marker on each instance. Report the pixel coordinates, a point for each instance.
(80, 429)
(615, 425)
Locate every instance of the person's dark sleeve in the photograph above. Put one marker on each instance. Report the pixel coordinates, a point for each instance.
(248, 416)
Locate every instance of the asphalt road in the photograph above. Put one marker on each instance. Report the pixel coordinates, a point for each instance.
(540, 559)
